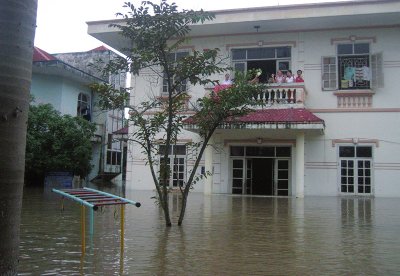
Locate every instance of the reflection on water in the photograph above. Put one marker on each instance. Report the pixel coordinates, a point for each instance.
(221, 235)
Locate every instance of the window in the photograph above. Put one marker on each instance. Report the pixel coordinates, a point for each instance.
(256, 151)
(113, 151)
(175, 57)
(353, 68)
(83, 107)
(355, 169)
(177, 164)
(268, 59)
(113, 157)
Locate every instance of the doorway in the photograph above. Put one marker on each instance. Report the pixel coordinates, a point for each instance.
(263, 176)
(260, 170)
(268, 67)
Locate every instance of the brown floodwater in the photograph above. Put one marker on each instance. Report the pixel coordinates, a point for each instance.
(221, 235)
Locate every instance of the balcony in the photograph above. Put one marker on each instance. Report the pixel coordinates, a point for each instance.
(277, 95)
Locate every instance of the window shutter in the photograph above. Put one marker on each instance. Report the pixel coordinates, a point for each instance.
(329, 73)
(376, 71)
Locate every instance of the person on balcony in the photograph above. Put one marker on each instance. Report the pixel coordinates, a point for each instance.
(256, 79)
(299, 77)
(289, 77)
(280, 77)
(227, 80)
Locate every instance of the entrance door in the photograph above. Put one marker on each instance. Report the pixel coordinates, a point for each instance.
(263, 176)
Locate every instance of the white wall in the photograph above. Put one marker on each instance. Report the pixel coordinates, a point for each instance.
(380, 122)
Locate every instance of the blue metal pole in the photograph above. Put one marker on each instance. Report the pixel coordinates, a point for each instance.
(91, 222)
(137, 204)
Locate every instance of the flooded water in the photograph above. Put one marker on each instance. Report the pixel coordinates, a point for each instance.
(221, 235)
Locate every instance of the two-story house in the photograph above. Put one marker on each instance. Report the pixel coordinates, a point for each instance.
(335, 134)
(65, 85)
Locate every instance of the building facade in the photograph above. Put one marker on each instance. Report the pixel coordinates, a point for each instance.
(335, 134)
(63, 80)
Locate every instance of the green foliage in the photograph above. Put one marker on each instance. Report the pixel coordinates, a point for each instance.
(225, 106)
(56, 143)
(157, 33)
(109, 97)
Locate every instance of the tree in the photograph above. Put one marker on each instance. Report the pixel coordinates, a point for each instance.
(17, 31)
(157, 32)
(56, 142)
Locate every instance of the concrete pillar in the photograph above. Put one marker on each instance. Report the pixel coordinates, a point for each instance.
(208, 162)
(300, 165)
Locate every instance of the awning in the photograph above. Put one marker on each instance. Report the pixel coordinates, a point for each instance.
(286, 118)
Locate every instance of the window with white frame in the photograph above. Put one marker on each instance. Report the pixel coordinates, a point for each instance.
(352, 68)
(175, 57)
(114, 153)
(355, 169)
(83, 106)
(177, 164)
(268, 59)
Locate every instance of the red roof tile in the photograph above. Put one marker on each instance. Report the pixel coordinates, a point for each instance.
(121, 131)
(40, 55)
(288, 115)
(99, 49)
(292, 115)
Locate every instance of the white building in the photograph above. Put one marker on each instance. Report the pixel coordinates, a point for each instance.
(338, 133)
(63, 80)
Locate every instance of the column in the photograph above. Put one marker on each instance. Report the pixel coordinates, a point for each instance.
(300, 165)
(208, 162)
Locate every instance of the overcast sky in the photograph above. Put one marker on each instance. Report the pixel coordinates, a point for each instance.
(61, 24)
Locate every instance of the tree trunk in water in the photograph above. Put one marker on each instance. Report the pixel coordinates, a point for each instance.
(17, 31)
(183, 208)
(166, 210)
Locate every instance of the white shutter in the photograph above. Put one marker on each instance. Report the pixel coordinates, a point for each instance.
(376, 71)
(329, 73)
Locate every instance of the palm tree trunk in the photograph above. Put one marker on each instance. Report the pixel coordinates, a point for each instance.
(17, 31)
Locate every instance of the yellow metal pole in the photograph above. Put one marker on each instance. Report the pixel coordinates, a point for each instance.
(83, 229)
(121, 260)
(122, 226)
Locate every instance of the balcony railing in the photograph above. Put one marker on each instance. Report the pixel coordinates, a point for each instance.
(281, 94)
(278, 95)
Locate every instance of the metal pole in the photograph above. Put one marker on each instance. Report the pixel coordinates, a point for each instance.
(91, 222)
(122, 227)
(83, 229)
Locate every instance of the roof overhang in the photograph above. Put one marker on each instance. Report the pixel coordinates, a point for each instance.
(61, 69)
(269, 119)
(277, 19)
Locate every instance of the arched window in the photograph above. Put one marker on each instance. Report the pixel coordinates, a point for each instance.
(83, 108)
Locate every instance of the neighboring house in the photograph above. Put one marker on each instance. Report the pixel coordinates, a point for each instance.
(335, 134)
(110, 121)
(66, 87)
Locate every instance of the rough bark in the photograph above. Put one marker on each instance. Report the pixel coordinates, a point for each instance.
(17, 30)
